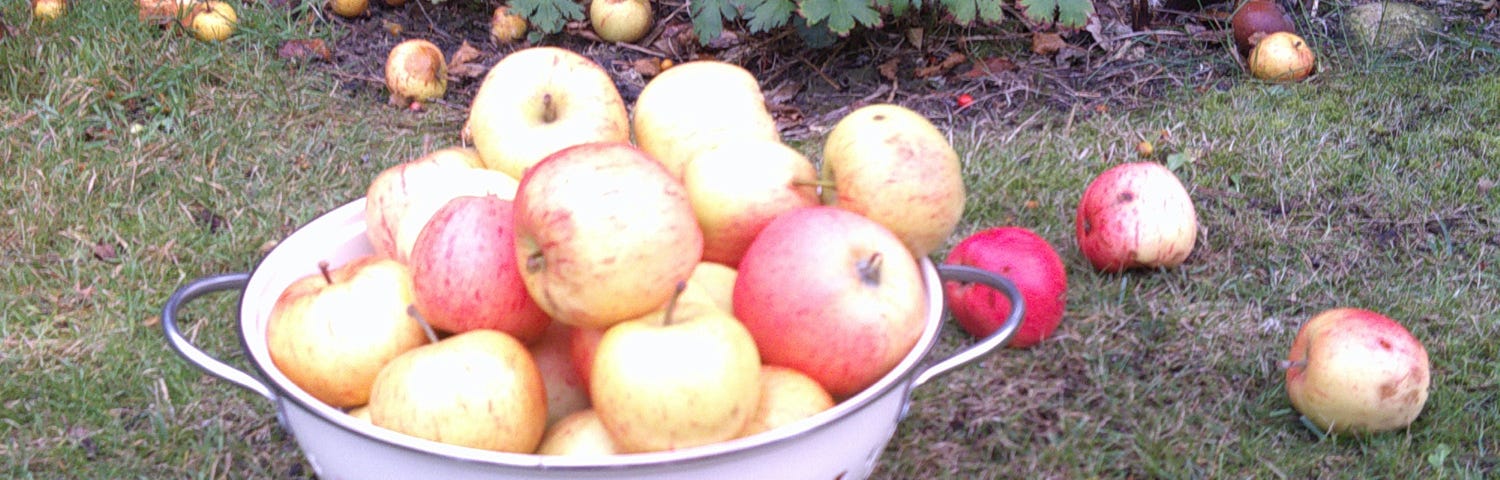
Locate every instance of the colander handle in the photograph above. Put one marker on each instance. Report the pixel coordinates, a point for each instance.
(193, 354)
(989, 344)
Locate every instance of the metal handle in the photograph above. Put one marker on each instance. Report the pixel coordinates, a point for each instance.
(995, 340)
(196, 356)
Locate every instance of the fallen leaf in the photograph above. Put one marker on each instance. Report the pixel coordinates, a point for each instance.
(1485, 185)
(105, 252)
(304, 49)
(392, 28)
(888, 69)
(947, 64)
(153, 321)
(1046, 43)
(464, 63)
(647, 67)
(989, 67)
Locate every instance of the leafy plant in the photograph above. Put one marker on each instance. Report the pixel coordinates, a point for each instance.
(548, 16)
(1072, 14)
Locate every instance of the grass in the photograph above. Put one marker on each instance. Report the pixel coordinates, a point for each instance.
(136, 159)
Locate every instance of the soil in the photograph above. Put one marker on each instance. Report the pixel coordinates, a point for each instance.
(949, 72)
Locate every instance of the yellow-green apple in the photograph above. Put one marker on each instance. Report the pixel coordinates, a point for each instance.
(579, 433)
(1030, 262)
(1352, 370)
(1282, 57)
(894, 166)
(715, 281)
(566, 391)
(333, 331)
(738, 186)
(681, 377)
(415, 72)
(832, 294)
(696, 105)
(786, 396)
(464, 271)
(361, 412)
(476, 389)
(603, 234)
(539, 100)
(620, 20)
(402, 198)
(1136, 215)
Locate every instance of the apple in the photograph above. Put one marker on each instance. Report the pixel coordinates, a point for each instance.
(465, 275)
(620, 20)
(1254, 20)
(333, 331)
(603, 234)
(1282, 57)
(415, 72)
(890, 164)
(47, 10)
(1136, 215)
(685, 376)
(832, 294)
(714, 282)
(579, 433)
(738, 186)
(1030, 262)
(211, 21)
(1352, 370)
(697, 105)
(582, 343)
(403, 197)
(566, 391)
(539, 100)
(507, 26)
(361, 412)
(786, 396)
(476, 389)
(349, 8)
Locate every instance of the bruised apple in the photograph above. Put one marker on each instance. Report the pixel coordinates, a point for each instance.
(1136, 215)
(1030, 262)
(1352, 370)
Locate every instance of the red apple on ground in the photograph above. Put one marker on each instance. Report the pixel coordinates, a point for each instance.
(737, 187)
(464, 270)
(1136, 215)
(832, 294)
(1030, 262)
(1353, 370)
(603, 234)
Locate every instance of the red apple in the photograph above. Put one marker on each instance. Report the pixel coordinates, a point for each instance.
(465, 275)
(566, 391)
(1030, 262)
(582, 343)
(832, 294)
(1136, 215)
(1352, 370)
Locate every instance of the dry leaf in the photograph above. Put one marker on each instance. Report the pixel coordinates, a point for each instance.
(989, 67)
(1485, 185)
(647, 67)
(464, 63)
(1046, 43)
(466, 54)
(392, 28)
(153, 321)
(304, 49)
(105, 252)
(947, 64)
(888, 69)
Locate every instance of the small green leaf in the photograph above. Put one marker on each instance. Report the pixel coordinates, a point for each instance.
(841, 15)
(548, 16)
(1072, 14)
(766, 15)
(966, 11)
(709, 17)
(1439, 455)
(1179, 159)
(900, 7)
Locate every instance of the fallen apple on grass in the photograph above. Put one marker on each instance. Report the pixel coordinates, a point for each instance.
(1282, 57)
(211, 21)
(621, 20)
(1355, 371)
(832, 294)
(415, 73)
(1030, 262)
(331, 333)
(477, 389)
(1136, 215)
(464, 271)
(507, 26)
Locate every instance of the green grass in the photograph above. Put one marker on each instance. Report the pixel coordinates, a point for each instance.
(135, 159)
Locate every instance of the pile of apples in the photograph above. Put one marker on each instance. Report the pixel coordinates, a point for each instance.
(583, 281)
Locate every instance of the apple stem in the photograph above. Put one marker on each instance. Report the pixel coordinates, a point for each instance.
(869, 269)
(549, 113)
(323, 267)
(666, 317)
(1288, 364)
(411, 310)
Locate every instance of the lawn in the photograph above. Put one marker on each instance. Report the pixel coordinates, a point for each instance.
(135, 159)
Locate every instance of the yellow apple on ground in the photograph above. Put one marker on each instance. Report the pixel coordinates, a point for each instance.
(402, 198)
(1282, 57)
(603, 234)
(786, 396)
(553, 354)
(715, 281)
(683, 377)
(415, 72)
(832, 294)
(211, 21)
(579, 433)
(621, 20)
(47, 10)
(737, 187)
(330, 333)
(464, 271)
(1352, 370)
(477, 389)
(1136, 215)
(892, 165)
(697, 105)
(539, 100)
(507, 26)
(349, 8)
